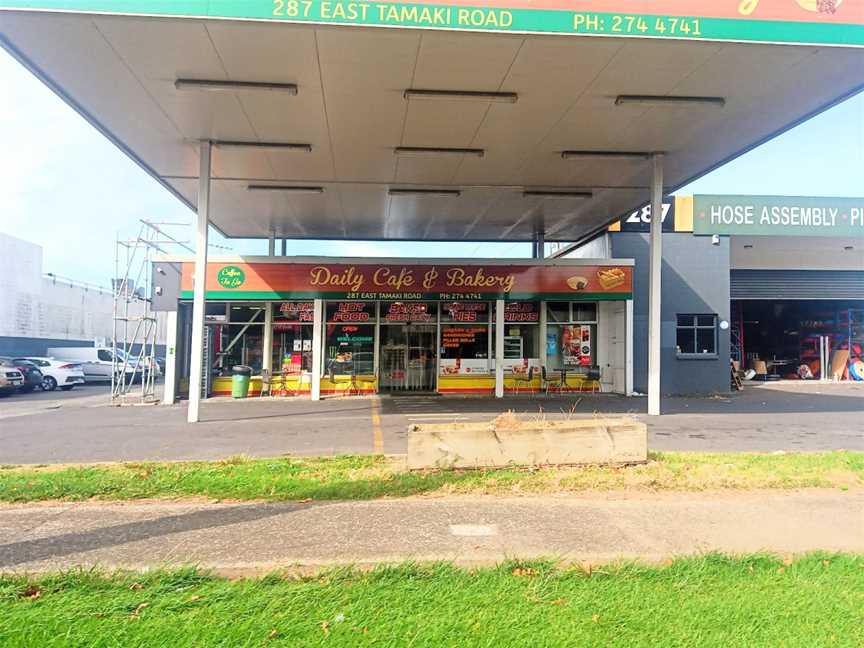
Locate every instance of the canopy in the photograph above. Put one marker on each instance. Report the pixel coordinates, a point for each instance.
(524, 96)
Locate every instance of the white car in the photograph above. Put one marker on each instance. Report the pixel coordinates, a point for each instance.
(58, 373)
(97, 362)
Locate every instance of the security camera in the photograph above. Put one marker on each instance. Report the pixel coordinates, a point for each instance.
(715, 239)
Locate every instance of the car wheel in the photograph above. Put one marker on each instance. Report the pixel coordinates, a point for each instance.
(49, 384)
(67, 388)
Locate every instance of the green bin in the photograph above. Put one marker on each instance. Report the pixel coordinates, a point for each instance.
(241, 376)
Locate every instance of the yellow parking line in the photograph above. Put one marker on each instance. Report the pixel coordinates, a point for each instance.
(377, 433)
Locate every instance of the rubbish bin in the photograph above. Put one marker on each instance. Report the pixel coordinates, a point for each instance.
(241, 375)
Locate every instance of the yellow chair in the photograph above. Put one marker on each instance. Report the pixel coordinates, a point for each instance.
(547, 383)
(266, 379)
(344, 383)
(525, 378)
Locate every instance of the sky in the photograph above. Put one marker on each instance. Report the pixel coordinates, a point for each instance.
(58, 173)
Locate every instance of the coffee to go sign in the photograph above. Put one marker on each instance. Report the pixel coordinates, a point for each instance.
(396, 282)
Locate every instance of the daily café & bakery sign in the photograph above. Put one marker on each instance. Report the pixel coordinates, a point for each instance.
(411, 281)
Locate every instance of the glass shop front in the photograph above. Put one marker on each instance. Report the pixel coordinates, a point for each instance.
(405, 341)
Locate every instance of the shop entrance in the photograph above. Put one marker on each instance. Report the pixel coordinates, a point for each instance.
(793, 339)
(407, 358)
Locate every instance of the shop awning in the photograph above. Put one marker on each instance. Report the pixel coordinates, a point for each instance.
(357, 173)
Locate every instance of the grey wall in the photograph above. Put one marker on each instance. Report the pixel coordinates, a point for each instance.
(37, 347)
(695, 280)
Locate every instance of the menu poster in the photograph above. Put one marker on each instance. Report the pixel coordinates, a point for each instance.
(551, 344)
(576, 346)
(459, 367)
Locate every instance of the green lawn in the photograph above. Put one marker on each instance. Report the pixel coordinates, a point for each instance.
(367, 477)
(701, 602)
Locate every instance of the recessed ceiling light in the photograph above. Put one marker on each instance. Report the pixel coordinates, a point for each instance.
(611, 155)
(666, 101)
(216, 85)
(461, 95)
(424, 192)
(413, 151)
(286, 189)
(550, 193)
(275, 146)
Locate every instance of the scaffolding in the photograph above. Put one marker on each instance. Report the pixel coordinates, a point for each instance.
(136, 327)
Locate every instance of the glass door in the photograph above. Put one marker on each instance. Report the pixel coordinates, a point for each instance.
(407, 358)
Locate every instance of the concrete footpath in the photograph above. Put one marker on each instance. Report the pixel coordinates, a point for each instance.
(252, 538)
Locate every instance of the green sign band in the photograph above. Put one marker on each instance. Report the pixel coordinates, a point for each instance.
(778, 216)
(467, 18)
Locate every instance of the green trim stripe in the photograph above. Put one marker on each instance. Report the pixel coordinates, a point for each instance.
(271, 295)
(485, 19)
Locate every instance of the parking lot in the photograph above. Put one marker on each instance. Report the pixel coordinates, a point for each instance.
(81, 426)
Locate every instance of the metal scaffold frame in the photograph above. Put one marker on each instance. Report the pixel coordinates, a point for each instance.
(135, 327)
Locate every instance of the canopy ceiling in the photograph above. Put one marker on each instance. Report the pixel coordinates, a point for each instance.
(120, 72)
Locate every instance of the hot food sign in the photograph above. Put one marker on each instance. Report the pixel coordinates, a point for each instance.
(447, 282)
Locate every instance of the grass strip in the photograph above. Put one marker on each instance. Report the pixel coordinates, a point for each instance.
(369, 477)
(712, 600)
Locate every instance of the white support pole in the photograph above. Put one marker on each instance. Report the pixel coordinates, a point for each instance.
(267, 361)
(544, 332)
(655, 320)
(539, 246)
(169, 392)
(317, 347)
(499, 348)
(628, 350)
(196, 370)
(271, 246)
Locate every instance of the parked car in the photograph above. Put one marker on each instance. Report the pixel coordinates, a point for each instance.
(97, 362)
(57, 373)
(155, 365)
(10, 378)
(30, 372)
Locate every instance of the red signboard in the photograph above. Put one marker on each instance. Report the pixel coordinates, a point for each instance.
(295, 312)
(390, 281)
(408, 312)
(522, 312)
(358, 312)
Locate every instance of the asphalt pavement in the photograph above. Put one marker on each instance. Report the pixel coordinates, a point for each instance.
(81, 427)
(248, 539)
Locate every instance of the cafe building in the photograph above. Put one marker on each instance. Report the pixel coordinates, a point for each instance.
(343, 327)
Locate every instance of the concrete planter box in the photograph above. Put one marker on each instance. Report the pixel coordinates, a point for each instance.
(527, 443)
